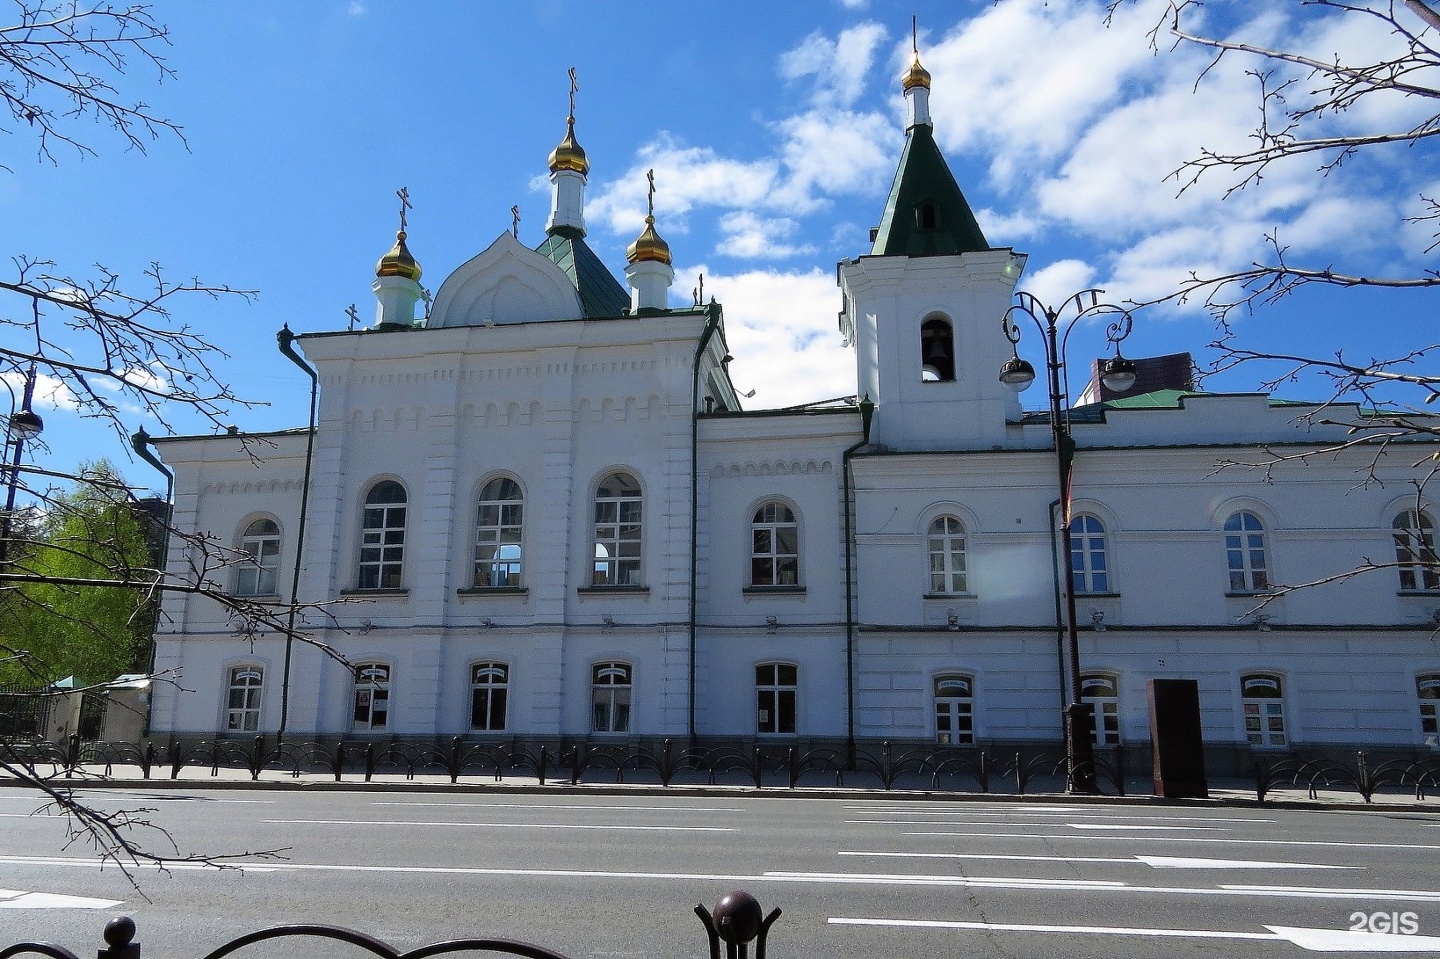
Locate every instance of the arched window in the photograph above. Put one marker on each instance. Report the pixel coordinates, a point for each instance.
(242, 703)
(937, 351)
(1102, 691)
(498, 534)
(947, 555)
(1427, 690)
(1262, 697)
(1245, 553)
(259, 570)
(954, 709)
(610, 697)
(382, 537)
(1088, 562)
(1415, 556)
(489, 692)
(775, 688)
(372, 697)
(774, 547)
(618, 531)
(927, 215)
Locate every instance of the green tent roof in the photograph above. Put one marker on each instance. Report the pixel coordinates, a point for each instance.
(600, 293)
(926, 212)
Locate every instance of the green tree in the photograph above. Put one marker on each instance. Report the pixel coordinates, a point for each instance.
(86, 614)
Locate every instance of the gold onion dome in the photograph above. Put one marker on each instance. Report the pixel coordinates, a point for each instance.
(569, 155)
(398, 262)
(916, 76)
(649, 246)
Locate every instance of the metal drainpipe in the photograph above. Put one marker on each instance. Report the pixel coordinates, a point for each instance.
(140, 442)
(712, 323)
(867, 413)
(286, 341)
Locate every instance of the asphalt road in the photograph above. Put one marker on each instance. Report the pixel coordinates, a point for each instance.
(861, 876)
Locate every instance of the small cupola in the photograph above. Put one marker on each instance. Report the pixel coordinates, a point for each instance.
(397, 279)
(916, 84)
(399, 261)
(648, 261)
(569, 167)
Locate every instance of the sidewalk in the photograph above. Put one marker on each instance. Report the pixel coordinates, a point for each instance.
(1230, 792)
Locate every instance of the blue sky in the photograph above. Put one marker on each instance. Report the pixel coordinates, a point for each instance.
(773, 129)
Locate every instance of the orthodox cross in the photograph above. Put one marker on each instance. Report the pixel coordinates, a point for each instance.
(574, 86)
(515, 221)
(404, 194)
(915, 36)
(354, 315)
(650, 194)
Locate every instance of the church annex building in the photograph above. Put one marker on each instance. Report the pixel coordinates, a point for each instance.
(550, 519)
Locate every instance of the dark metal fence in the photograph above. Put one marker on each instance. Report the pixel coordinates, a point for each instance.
(667, 763)
(737, 920)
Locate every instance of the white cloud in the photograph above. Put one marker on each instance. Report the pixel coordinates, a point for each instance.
(839, 67)
(781, 327)
(749, 236)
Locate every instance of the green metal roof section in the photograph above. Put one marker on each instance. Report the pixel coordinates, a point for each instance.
(924, 175)
(600, 293)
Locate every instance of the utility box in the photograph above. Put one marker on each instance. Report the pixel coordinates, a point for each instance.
(1179, 752)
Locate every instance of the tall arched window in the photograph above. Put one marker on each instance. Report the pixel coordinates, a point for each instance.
(1415, 556)
(1262, 697)
(937, 351)
(1088, 560)
(618, 531)
(259, 570)
(954, 709)
(489, 692)
(382, 537)
(1245, 553)
(372, 697)
(498, 534)
(775, 687)
(242, 703)
(1102, 691)
(610, 697)
(1427, 690)
(947, 555)
(774, 546)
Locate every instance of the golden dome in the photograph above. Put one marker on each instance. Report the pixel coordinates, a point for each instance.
(916, 76)
(648, 246)
(569, 155)
(398, 262)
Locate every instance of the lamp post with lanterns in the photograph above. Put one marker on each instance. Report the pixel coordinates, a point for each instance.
(1117, 374)
(24, 425)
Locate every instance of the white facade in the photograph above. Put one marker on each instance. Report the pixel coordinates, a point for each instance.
(773, 575)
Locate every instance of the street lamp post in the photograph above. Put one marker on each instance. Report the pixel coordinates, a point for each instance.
(1118, 374)
(24, 425)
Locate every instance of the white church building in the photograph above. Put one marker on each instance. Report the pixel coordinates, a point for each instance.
(541, 514)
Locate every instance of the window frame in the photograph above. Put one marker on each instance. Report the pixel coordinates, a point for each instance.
(509, 517)
(621, 537)
(773, 526)
(384, 539)
(777, 701)
(374, 691)
(615, 696)
(488, 691)
(1427, 696)
(946, 553)
(1105, 725)
(251, 704)
(1413, 534)
(958, 711)
(1084, 549)
(253, 564)
(937, 330)
(1264, 735)
(1242, 544)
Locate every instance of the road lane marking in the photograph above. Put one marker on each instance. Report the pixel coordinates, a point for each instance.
(103, 864)
(1312, 940)
(1069, 813)
(1156, 862)
(491, 825)
(1178, 839)
(1298, 892)
(1072, 825)
(16, 899)
(516, 805)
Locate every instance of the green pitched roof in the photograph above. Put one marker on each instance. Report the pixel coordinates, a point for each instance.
(923, 177)
(600, 293)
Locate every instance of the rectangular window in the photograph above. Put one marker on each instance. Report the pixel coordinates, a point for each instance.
(242, 706)
(775, 688)
(489, 688)
(372, 697)
(610, 698)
